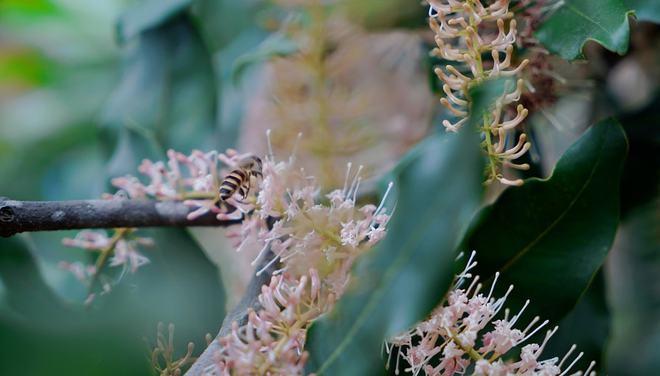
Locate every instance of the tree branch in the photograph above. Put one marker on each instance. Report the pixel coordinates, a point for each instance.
(250, 300)
(21, 216)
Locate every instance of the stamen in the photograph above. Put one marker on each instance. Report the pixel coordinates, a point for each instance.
(572, 364)
(492, 286)
(382, 201)
(544, 323)
(270, 145)
(567, 355)
(516, 317)
(260, 254)
(348, 173)
(292, 158)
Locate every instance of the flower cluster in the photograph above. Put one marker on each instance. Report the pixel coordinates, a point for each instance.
(193, 179)
(540, 80)
(162, 356)
(462, 332)
(272, 341)
(315, 240)
(121, 250)
(355, 95)
(308, 233)
(466, 30)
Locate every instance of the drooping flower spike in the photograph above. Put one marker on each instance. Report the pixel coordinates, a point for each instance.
(480, 40)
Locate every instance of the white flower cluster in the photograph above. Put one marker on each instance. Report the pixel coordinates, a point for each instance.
(461, 333)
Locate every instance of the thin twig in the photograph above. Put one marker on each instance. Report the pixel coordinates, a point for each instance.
(22, 216)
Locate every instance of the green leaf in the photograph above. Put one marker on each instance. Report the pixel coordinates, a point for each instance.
(569, 28)
(645, 10)
(27, 293)
(549, 237)
(400, 281)
(167, 95)
(587, 326)
(147, 15)
(276, 45)
(632, 273)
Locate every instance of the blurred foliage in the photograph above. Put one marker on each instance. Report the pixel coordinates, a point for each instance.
(89, 88)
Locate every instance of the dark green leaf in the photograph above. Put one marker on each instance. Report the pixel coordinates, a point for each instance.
(645, 10)
(549, 237)
(641, 174)
(27, 293)
(276, 45)
(147, 15)
(569, 28)
(587, 326)
(397, 284)
(632, 273)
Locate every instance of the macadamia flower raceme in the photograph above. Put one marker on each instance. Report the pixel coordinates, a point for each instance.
(480, 40)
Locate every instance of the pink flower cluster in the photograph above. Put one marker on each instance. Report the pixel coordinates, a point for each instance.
(306, 234)
(272, 341)
(457, 335)
(315, 239)
(193, 179)
(124, 251)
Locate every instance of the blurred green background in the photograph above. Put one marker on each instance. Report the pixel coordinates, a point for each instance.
(89, 88)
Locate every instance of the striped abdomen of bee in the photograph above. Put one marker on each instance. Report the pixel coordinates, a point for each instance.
(239, 179)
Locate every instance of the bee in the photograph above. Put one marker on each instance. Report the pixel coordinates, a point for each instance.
(239, 180)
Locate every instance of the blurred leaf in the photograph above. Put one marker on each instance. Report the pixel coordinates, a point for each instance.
(40, 335)
(147, 15)
(27, 293)
(632, 272)
(398, 283)
(167, 96)
(575, 22)
(385, 14)
(549, 237)
(276, 45)
(587, 326)
(645, 10)
(641, 174)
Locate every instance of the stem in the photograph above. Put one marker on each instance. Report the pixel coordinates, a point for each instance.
(22, 216)
(318, 67)
(468, 349)
(105, 254)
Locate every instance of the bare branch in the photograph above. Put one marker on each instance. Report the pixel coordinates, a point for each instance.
(22, 216)
(238, 314)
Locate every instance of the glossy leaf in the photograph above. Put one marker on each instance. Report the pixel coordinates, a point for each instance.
(549, 237)
(569, 28)
(398, 283)
(645, 10)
